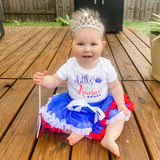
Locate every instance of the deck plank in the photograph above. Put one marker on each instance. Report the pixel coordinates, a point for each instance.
(87, 149)
(154, 88)
(142, 47)
(15, 56)
(147, 116)
(11, 31)
(18, 69)
(22, 132)
(125, 65)
(106, 53)
(141, 64)
(43, 61)
(140, 35)
(52, 146)
(10, 108)
(129, 148)
(17, 44)
(5, 84)
(130, 143)
(62, 55)
(15, 38)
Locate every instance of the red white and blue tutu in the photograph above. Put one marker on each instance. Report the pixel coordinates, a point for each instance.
(62, 113)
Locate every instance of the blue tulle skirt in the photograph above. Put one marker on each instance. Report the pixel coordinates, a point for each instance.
(62, 113)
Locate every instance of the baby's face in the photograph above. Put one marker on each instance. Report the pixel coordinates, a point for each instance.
(87, 46)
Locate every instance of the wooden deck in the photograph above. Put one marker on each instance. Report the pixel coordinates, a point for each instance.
(25, 50)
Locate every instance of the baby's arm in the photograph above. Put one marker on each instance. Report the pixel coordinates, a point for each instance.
(48, 82)
(118, 95)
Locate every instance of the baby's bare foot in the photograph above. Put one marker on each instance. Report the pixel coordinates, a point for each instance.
(74, 138)
(110, 145)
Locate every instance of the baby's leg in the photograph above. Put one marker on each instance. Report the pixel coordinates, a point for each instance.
(74, 138)
(113, 131)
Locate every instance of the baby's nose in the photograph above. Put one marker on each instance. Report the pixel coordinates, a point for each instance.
(87, 49)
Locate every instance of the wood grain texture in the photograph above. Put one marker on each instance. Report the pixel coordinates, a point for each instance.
(142, 65)
(130, 143)
(144, 49)
(138, 11)
(15, 38)
(62, 54)
(125, 65)
(18, 69)
(106, 53)
(89, 149)
(154, 88)
(140, 35)
(45, 58)
(10, 108)
(134, 10)
(5, 84)
(20, 139)
(147, 116)
(11, 31)
(14, 46)
(19, 53)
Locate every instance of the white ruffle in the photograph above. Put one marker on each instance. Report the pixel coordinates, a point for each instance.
(99, 114)
(119, 116)
(55, 122)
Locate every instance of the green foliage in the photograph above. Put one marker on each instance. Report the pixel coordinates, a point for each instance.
(155, 26)
(33, 24)
(140, 26)
(16, 22)
(64, 22)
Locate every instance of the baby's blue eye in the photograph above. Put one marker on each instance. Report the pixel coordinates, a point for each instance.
(93, 44)
(80, 44)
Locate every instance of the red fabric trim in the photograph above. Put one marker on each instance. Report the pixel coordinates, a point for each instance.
(102, 122)
(98, 136)
(46, 125)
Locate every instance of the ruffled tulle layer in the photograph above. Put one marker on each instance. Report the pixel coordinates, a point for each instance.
(84, 118)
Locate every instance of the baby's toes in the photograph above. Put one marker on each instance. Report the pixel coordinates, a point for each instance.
(116, 152)
(71, 142)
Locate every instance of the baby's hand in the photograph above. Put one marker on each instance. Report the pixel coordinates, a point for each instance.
(38, 77)
(124, 109)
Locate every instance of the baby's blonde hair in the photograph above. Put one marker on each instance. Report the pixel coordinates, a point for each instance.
(93, 13)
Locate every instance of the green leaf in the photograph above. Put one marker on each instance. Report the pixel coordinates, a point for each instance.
(61, 19)
(16, 22)
(156, 15)
(67, 17)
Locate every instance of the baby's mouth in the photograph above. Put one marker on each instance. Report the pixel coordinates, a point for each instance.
(86, 56)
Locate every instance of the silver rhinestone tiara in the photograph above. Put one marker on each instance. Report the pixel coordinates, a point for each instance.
(85, 22)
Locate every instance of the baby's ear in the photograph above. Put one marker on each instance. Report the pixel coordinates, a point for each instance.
(70, 42)
(103, 44)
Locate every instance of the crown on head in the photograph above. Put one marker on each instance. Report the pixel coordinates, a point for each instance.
(85, 22)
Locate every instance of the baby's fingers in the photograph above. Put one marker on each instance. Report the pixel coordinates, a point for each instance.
(44, 73)
(38, 74)
(126, 112)
(38, 77)
(38, 82)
